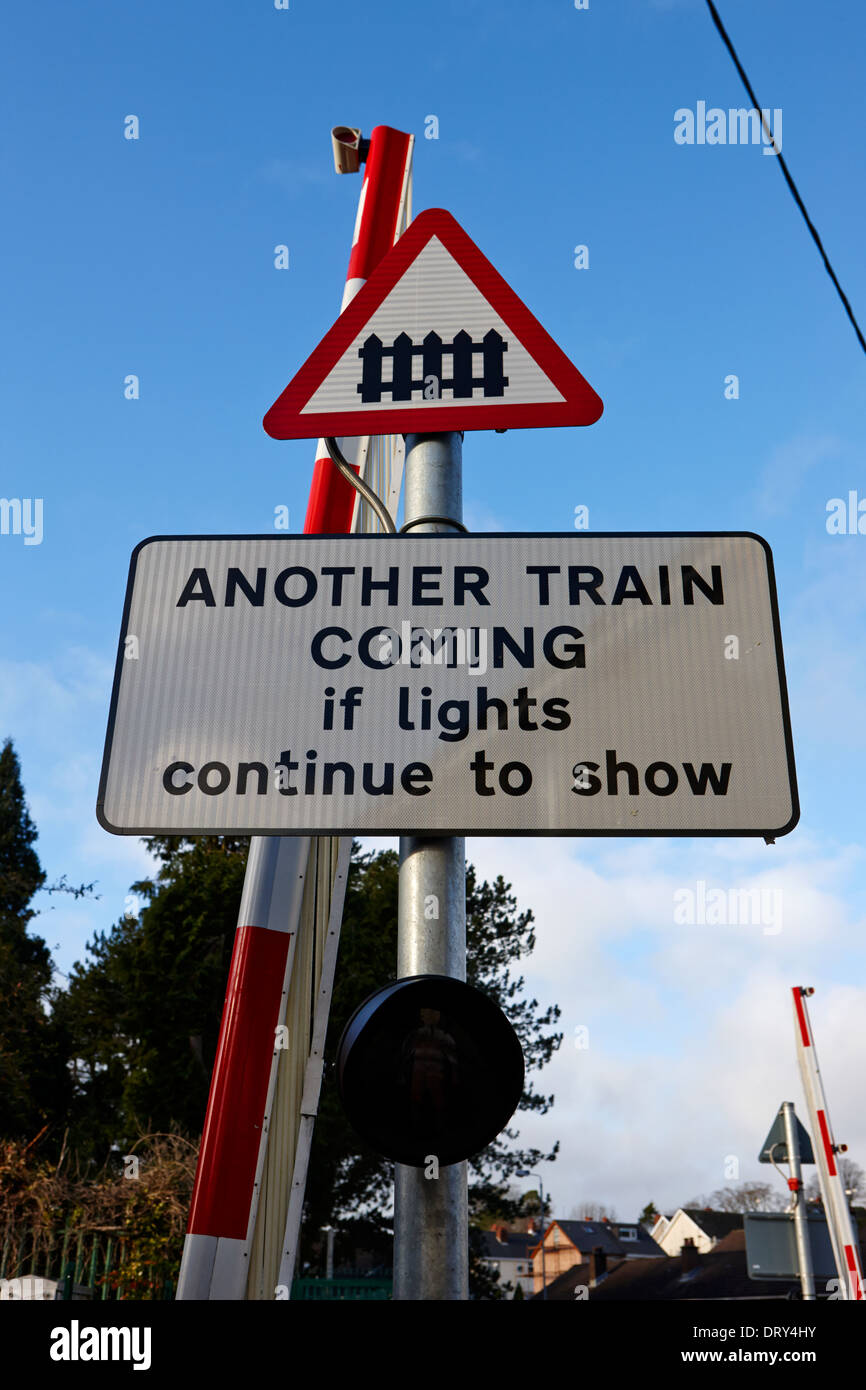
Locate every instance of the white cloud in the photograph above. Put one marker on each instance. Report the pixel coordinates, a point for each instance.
(690, 1027)
(825, 657)
(787, 468)
(477, 516)
(56, 714)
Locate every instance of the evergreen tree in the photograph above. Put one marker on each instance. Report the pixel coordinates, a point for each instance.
(145, 1009)
(21, 873)
(34, 1083)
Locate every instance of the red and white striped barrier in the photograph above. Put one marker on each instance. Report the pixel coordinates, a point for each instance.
(228, 1176)
(846, 1246)
(223, 1207)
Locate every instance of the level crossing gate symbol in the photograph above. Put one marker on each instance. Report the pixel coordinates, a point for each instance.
(461, 383)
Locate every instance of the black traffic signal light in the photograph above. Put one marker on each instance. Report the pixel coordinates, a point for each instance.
(429, 1067)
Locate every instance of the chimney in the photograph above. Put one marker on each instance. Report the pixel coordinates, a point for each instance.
(689, 1256)
(597, 1266)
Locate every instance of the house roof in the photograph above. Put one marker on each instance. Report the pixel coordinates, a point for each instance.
(719, 1274)
(515, 1246)
(734, 1240)
(644, 1245)
(715, 1223)
(587, 1235)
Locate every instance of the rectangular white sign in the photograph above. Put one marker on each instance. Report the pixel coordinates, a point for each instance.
(577, 684)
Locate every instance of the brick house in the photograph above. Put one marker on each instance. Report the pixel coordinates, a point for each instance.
(570, 1243)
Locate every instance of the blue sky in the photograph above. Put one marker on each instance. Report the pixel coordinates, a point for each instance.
(556, 127)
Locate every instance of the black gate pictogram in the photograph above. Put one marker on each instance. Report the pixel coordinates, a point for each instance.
(462, 381)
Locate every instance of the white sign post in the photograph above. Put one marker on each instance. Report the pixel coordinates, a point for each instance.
(522, 684)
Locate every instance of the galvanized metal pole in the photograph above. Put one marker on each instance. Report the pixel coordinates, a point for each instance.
(431, 1214)
(329, 1258)
(801, 1219)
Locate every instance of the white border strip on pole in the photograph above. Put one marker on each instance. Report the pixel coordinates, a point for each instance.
(314, 1068)
(284, 914)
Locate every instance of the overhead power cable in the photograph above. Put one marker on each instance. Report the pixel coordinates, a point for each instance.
(783, 166)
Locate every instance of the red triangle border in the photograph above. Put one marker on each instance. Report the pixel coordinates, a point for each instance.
(580, 406)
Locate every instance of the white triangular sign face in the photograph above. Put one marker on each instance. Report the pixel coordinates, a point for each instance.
(435, 339)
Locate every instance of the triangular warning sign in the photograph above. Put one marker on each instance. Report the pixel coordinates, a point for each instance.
(775, 1148)
(435, 340)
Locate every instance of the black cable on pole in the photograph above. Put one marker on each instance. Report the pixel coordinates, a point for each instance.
(345, 468)
(783, 166)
